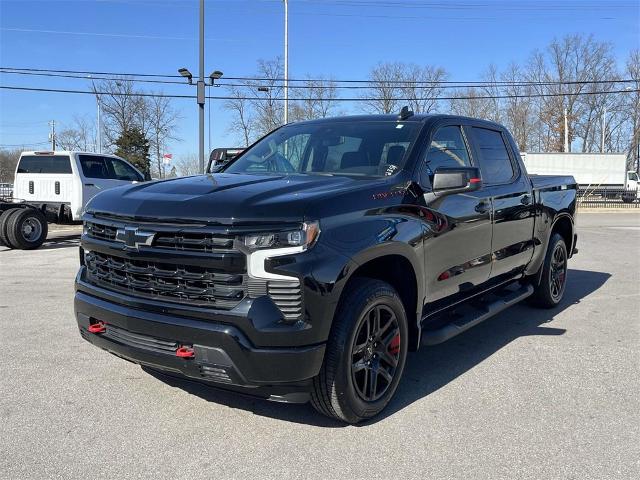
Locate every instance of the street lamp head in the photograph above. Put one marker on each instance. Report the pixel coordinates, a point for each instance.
(215, 75)
(185, 73)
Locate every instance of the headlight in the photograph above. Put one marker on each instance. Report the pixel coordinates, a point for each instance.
(304, 237)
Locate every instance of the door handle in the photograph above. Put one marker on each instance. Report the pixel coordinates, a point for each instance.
(89, 185)
(525, 200)
(482, 207)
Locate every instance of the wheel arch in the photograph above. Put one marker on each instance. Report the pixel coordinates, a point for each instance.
(401, 271)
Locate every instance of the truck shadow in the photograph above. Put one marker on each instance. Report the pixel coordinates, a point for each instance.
(61, 241)
(430, 368)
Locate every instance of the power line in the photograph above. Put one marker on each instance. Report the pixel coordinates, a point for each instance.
(87, 75)
(341, 99)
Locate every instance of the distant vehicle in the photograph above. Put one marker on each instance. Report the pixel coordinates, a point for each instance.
(6, 190)
(605, 172)
(220, 156)
(54, 187)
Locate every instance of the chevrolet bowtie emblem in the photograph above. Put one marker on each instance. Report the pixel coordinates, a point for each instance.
(133, 238)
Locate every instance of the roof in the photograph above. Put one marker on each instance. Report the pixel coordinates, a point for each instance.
(418, 118)
(64, 152)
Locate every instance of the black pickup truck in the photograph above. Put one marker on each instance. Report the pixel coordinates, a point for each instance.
(312, 263)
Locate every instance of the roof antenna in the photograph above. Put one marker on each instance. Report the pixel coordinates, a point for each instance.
(405, 113)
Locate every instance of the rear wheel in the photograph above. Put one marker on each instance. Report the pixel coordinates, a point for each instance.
(27, 229)
(552, 285)
(365, 355)
(4, 219)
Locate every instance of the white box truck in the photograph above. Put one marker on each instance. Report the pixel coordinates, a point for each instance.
(603, 172)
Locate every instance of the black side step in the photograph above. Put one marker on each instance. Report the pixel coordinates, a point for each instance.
(473, 318)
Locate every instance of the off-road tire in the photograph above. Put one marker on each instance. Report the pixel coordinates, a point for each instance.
(334, 392)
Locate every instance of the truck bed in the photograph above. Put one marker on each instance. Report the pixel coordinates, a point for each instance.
(543, 182)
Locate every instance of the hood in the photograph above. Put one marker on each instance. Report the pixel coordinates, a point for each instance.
(223, 198)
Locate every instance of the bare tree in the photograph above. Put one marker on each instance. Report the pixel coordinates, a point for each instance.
(79, 135)
(319, 99)
(632, 109)
(161, 120)
(384, 88)
(421, 86)
(242, 122)
(269, 110)
(121, 106)
(8, 163)
(187, 165)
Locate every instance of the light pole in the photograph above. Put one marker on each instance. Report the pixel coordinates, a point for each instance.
(286, 61)
(215, 75)
(200, 96)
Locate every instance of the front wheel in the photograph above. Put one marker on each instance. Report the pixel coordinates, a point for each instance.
(365, 355)
(552, 285)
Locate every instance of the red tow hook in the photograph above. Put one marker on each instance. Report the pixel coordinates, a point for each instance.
(185, 352)
(98, 327)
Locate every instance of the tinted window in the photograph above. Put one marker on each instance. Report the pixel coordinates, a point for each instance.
(343, 148)
(94, 167)
(122, 171)
(495, 164)
(447, 149)
(44, 164)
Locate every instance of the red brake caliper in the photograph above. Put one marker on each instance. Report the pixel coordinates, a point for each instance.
(394, 345)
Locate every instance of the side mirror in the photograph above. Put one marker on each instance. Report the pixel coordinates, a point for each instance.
(456, 180)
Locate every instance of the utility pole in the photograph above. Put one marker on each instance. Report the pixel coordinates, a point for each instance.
(99, 136)
(201, 91)
(604, 124)
(52, 134)
(286, 61)
(566, 132)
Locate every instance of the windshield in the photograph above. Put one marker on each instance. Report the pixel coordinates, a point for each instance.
(377, 148)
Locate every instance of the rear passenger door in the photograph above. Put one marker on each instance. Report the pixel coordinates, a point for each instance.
(510, 191)
(458, 249)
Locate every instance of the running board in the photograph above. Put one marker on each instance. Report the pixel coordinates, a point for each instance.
(473, 318)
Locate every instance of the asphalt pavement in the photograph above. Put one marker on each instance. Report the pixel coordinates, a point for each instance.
(527, 394)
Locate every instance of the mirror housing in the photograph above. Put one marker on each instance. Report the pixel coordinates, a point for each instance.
(456, 180)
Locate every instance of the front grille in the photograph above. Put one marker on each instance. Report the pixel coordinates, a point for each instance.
(137, 340)
(193, 241)
(195, 285)
(287, 295)
(100, 232)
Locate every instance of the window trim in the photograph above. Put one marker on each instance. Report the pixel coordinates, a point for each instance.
(507, 145)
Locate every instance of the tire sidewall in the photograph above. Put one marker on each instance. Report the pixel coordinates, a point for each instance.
(555, 240)
(348, 398)
(14, 225)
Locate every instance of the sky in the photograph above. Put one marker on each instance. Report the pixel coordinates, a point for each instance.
(342, 39)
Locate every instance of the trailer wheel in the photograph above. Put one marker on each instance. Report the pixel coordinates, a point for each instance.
(27, 229)
(628, 198)
(4, 219)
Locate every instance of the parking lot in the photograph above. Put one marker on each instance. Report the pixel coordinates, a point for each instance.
(527, 394)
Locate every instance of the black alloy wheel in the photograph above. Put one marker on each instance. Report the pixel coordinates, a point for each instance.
(375, 352)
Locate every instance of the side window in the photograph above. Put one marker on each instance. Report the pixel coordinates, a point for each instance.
(94, 167)
(495, 164)
(123, 171)
(447, 149)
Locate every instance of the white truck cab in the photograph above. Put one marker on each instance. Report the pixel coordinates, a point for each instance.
(65, 181)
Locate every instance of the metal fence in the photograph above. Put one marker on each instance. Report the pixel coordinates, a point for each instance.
(608, 198)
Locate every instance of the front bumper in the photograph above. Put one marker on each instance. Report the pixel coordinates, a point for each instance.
(223, 355)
